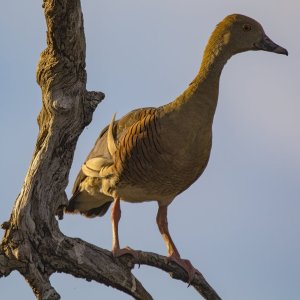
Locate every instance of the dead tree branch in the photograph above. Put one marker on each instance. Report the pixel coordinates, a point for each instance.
(33, 243)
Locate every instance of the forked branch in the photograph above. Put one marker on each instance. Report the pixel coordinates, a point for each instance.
(32, 243)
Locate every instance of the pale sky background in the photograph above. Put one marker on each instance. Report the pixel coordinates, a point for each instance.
(239, 223)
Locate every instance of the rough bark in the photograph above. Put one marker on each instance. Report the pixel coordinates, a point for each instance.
(33, 243)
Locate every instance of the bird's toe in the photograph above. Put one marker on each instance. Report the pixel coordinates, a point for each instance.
(186, 265)
(124, 251)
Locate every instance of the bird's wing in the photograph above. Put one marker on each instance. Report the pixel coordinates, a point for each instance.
(139, 140)
(100, 156)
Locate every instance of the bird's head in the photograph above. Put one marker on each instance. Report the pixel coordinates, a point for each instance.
(238, 33)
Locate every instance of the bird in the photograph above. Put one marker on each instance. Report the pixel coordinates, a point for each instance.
(156, 153)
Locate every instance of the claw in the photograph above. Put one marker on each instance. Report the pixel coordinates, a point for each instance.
(124, 251)
(186, 265)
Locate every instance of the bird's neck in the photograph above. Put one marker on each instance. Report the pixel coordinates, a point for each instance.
(198, 102)
(187, 121)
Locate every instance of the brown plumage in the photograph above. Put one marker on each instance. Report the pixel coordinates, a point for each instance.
(157, 153)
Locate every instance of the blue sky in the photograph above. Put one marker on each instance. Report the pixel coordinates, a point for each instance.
(239, 223)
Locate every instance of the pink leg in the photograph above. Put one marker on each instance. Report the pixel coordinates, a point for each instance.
(173, 254)
(115, 218)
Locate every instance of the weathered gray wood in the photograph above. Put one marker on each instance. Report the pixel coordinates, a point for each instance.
(33, 243)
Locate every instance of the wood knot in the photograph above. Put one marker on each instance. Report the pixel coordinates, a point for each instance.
(60, 212)
(5, 225)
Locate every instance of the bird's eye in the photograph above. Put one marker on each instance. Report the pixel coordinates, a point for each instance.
(247, 27)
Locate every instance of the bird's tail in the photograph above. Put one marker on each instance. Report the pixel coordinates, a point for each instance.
(88, 205)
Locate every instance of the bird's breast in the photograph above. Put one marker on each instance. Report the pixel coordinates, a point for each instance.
(152, 170)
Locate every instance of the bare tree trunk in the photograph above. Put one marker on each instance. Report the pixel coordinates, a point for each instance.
(33, 243)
